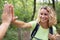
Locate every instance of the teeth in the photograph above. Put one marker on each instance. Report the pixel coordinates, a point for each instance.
(43, 19)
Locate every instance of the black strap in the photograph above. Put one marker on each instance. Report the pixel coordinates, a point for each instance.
(34, 31)
(51, 30)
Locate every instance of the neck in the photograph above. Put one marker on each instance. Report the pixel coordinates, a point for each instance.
(44, 25)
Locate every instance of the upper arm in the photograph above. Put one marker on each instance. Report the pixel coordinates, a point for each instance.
(31, 24)
(22, 24)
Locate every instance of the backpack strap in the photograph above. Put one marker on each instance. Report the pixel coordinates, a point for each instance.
(51, 30)
(34, 31)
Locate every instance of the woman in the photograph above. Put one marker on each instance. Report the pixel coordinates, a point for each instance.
(46, 18)
(6, 20)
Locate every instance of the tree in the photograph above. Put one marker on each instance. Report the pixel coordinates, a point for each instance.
(49, 2)
(34, 10)
(56, 1)
(53, 3)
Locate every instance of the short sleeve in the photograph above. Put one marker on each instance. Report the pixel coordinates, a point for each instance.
(54, 30)
(33, 24)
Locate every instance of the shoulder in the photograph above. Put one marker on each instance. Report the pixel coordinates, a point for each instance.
(54, 30)
(33, 24)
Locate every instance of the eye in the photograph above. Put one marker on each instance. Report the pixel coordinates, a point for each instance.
(41, 13)
(45, 14)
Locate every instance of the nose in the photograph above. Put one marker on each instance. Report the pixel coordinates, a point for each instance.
(42, 16)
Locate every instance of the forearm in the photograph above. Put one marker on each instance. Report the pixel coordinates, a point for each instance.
(21, 24)
(3, 29)
(18, 23)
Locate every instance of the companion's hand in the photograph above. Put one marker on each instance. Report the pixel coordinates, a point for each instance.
(12, 12)
(57, 36)
(52, 37)
(7, 16)
(8, 13)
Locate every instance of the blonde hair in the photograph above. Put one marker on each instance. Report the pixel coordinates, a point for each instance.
(52, 15)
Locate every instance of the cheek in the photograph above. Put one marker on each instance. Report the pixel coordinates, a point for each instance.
(40, 16)
(47, 17)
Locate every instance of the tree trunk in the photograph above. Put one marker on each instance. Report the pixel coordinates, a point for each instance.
(43, 0)
(23, 34)
(19, 33)
(53, 2)
(34, 10)
(49, 2)
(56, 1)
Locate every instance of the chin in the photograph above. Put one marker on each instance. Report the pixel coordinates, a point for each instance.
(44, 21)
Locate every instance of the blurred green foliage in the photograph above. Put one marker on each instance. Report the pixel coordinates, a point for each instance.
(24, 10)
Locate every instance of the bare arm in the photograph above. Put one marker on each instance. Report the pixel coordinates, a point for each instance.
(3, 29)
(6, 20)
(22, 24)
(19, 23)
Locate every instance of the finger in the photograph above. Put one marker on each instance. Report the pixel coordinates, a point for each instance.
(6, 2)
(14, 18)
(6, 8)
(12, 11)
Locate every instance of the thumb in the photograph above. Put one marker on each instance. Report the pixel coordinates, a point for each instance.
(14, 18)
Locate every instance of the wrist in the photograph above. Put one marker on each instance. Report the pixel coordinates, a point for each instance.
(13, 21)
(5, 23)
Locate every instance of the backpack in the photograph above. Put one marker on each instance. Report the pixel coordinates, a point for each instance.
(36, 29)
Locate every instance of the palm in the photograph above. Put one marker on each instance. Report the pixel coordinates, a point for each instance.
(7, 16)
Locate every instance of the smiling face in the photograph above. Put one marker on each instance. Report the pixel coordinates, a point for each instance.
(44, 16)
